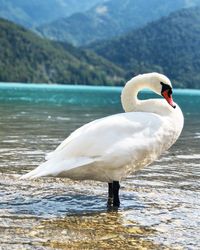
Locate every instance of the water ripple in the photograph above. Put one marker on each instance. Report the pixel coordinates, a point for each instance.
(159, 205)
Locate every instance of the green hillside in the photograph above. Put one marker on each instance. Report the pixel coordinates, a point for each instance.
(170, 45)
(110, 19)
(25, 57)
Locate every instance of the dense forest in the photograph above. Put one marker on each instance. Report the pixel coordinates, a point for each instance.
(170, 46)
(25, 57)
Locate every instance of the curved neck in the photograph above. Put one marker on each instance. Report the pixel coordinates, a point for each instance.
(131, 103)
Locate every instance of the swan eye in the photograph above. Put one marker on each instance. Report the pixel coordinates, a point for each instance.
(170, 92)
(166, 87)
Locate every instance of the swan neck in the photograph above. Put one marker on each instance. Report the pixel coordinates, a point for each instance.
(129, 99)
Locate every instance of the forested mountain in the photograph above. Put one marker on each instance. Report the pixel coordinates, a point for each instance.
(25, 57)
(32, 13)
(170, 45)
(110, 19)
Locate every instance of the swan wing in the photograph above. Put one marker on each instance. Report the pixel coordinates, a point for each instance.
(103, 147)
(71, 137)
(98, 137)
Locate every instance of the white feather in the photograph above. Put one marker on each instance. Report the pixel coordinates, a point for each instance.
(111, 148)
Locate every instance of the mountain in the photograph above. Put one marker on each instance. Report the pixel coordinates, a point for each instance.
(169, 45)
(34, 13)
(110, 19)
(25, 57)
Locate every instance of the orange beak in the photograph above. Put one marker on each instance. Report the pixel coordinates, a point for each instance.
(168, 98)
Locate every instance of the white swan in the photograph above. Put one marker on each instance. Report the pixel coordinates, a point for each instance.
(111, 148)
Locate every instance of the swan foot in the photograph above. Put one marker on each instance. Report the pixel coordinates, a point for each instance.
(116, 203)
(116, 187)
(109, 202)
(113, 194)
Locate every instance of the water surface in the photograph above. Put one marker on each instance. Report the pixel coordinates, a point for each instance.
(160, 205)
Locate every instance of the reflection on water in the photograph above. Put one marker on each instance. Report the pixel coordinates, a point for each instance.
(160, 205)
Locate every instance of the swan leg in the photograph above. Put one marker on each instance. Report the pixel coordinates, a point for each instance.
(116, 187)
(110, 195)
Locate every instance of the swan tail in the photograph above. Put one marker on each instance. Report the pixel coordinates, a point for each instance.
(53, 168)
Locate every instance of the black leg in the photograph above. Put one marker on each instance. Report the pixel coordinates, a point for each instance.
(116, 187)
(110, 195)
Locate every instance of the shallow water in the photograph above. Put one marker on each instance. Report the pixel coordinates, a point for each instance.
(160, 205)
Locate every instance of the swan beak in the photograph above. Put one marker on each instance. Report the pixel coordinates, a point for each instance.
(168, 98)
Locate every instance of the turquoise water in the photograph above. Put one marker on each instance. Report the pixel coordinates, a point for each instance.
(160, 204)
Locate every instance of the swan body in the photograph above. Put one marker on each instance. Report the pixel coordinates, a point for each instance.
(111, 148)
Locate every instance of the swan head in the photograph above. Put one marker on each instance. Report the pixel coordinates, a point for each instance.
(161, 85)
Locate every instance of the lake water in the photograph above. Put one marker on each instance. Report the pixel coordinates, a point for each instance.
(160, 205)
